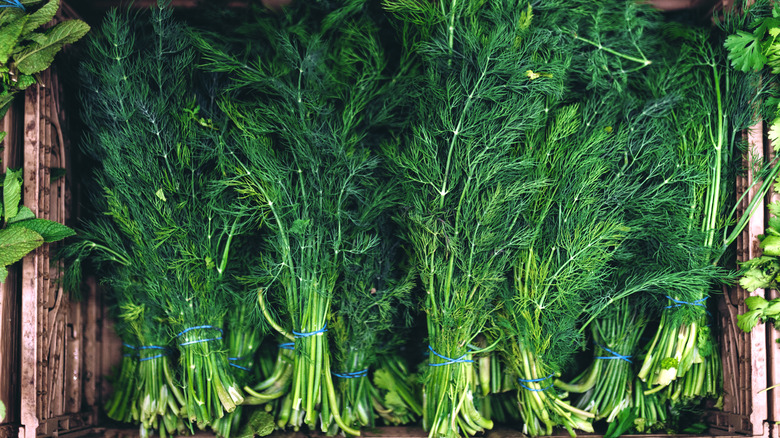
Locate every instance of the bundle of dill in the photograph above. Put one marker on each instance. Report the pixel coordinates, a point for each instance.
(162, 242)
(307, 112)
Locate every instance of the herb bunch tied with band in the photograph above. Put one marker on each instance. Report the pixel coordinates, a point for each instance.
(465, 191)
(307, 116)
(162, 237)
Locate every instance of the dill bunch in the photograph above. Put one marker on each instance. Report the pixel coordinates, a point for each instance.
(307, 111)
(162, 234)
(482, 91)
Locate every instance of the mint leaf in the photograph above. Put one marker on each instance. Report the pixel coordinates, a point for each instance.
(9, 35)
(23, 214)
(745, 51)
(49, 230)
(16, 243)
(38, 55)
(12, 193)
(41, 16)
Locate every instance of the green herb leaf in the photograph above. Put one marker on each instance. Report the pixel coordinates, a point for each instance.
(745, 51)
(260, 423)
(12, 193)
(50, 231)
(17, 242)
(3, 276)
(747, 321)
(771, 245)
(41, 16)
(2, 406)
(38, 55)
(774, 134)
(23, 214)
(756, 303)
(754, 279)
(9, 35)
(299, 226)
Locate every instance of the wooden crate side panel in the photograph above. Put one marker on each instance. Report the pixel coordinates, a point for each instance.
(10, 294)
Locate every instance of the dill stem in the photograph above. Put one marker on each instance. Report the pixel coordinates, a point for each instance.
(644, 61)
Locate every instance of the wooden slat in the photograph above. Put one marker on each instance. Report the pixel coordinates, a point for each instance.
(757, 338)
(30, 316)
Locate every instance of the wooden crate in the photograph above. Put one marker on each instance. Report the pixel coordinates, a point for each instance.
(50, 363)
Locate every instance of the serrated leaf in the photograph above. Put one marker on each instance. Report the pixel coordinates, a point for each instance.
(748, 320)
(771, 245)
(23, 214)
(745, 51)
(41, 16)
(756, 303)
(774, 224)
(49, 230)
(754, 279)
(12, 193)
(38, 56)
(9, 35)
(16, 243)
(774, 134)
(8, 15)
(2, 134)
(772, 310)
(774, 207)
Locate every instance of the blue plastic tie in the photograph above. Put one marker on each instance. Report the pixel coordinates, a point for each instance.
(153, 357)
(124, 344)
(13, 4)
(352, 374)
(449, 360)
(198, 328)
(314, 333)
(151, 347)
(198, 341)
(679, 303)
(287, 346)
(615, 355)
(239, 367)
(521, 381)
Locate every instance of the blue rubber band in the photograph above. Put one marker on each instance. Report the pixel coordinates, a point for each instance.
(287, 346)
(13, 4)
(128, 346)
(151, 347)
(307, 334)
(614, 355)
(537, 390)
(239, 367)
(535, 380)
(127, 355)
(198, 328)
(689, 303)
(153, 357)
(449, 360)
(236, 358)
(522, 381)
(197, 341)
(352, 374)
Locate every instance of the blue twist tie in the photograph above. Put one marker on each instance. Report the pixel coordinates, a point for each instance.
(287, 346)
(124, 344)
(521, 381)
(239, 367)
(352, 374)
(13, 4)
(153, 357)
(197, 341)
(614, 355)
(306, 335)
(449, 360)
(689, 303)
(153, 347)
